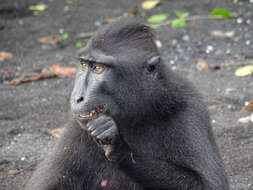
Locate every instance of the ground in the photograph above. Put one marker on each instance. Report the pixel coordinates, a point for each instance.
(29, 110)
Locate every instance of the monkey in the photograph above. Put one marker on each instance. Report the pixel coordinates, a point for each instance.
(136, 124)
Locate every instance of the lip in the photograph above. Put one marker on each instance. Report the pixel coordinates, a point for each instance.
(91, 114)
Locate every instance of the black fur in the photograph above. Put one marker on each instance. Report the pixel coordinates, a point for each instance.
(155, 132)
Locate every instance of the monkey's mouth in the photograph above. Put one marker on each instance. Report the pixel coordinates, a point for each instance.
(93, 113)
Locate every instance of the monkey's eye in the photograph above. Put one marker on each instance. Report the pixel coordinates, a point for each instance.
(98, 68)
(84, 66)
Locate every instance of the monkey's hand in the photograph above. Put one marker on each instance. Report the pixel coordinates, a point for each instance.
(105, 132)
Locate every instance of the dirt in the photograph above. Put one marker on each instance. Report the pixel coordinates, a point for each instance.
(29, 110)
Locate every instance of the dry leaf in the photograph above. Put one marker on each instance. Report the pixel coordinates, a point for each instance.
(56, 133)
(244, 71)
(202, 65)
(222, 34)
(15, 171)
(5, 56)
(52, 40)
(150, 4)
(50, 72)
(248, 107)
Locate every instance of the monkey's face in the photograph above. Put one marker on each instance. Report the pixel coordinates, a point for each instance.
(95, 87)
(112, 85)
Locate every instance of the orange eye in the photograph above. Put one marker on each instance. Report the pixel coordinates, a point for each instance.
(98, 69)
(84, 66)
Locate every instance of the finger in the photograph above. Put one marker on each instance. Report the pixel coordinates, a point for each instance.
(98, 121)
(94, 126)
(109, 133)
(100, 129)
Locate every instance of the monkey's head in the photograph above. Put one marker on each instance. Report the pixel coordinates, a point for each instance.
(119, 73)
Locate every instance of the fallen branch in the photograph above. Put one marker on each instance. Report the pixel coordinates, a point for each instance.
(46, 73)
(85, 35)
(230, 64)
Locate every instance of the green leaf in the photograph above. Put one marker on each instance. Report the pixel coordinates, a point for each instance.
(65, 36)
(80, 44)
(181, 15)
(178, 23)
(244, 71)
(157, 18)
(38, 7)
(224, 13)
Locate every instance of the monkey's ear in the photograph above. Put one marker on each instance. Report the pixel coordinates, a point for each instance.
(152, 63)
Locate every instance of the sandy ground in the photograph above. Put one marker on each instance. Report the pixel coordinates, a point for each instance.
(29, 110)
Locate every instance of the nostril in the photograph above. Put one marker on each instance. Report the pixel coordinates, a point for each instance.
(79, 99)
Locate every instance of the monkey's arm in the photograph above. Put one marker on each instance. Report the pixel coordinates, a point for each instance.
(64, 167)
(143, 167)
(153, 173)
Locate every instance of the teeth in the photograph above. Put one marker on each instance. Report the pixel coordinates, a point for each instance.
(93, 114)
(83, 115)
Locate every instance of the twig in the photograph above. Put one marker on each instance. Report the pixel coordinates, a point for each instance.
(230, 64)
(85, 35)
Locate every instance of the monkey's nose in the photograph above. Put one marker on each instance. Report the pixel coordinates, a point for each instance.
(79, 99)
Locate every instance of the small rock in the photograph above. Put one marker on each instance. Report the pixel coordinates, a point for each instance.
(22, 158)
(98, 23)
(209, 49)
(186, 38)
(61, 30)
(174, 42)
(239, 20)
(248, 21)
(172, 62)
(248, 42)
(247, 119)
(228, 91)
(46, 47)
(228, 51)
(66, 9)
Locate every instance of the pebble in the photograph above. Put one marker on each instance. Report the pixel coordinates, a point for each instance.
(239, 20)
(66, 9)
(248, 42)
(172, 62)
(247, 119)
(228, 51)
(44, 100)
(174, 42)
(186, 38)
(22, 158)
(61, 30)
(46, 47)
(251, 1)
(209, 49)
(248, 21)
(98, 23)
(228, 91)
